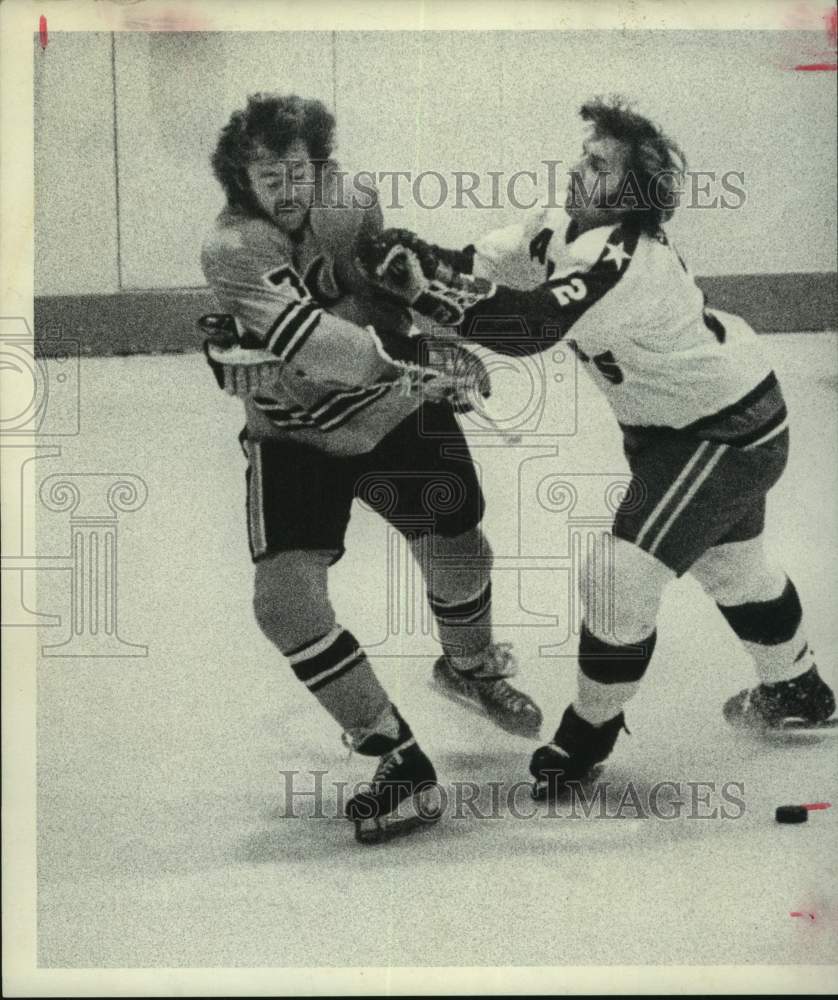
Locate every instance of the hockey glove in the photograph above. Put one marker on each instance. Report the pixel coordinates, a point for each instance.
(411, 270)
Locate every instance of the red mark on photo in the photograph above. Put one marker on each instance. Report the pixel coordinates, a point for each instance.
(42, 32)
(830, 20)
(797, 913)
(818, 805)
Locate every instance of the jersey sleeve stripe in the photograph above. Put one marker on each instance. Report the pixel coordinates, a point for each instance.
(271, 407)
(340, 407)
(348, 408)
(293, 328)
(277, 324)
(301, 336)
(285, 418)
(337, 397)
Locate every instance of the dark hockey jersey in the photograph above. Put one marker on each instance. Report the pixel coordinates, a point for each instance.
(304, 374)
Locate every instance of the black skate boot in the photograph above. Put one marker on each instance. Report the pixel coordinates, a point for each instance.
(486, 690)
(802, 703)
(574, 753)
(403, 793)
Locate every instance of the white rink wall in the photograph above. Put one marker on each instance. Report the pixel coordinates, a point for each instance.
(146, 109)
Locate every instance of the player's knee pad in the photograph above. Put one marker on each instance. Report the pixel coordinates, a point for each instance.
(767, 623)
(291, 599)
(621, 588)
(614, 664)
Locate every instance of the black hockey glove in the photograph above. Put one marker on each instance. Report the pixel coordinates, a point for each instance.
(413, 271)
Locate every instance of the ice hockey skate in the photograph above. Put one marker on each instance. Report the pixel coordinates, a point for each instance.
(486, 691)
(574, 755)
(802, 705)
(403, 793)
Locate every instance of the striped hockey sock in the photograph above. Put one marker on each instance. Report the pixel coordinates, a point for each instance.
(323, 661)
(465, 626)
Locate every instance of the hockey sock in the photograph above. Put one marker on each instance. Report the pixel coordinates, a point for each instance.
(337, 672)
(384, 734)
(465, 625)
(609, 675)
(772, 632)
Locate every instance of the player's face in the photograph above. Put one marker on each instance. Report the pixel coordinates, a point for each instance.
(595, 181)
(283, 185)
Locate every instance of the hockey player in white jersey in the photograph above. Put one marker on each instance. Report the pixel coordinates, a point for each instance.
(702, 414)
(333, 413)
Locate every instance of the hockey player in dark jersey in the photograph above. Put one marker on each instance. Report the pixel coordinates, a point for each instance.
(337, 407)
(702, 414)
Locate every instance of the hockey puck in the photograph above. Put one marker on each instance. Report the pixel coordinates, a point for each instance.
(791, 814)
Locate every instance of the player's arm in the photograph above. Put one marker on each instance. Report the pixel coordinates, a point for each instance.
(452, 298)
(278, 317)
(277, 329)
(508, 250)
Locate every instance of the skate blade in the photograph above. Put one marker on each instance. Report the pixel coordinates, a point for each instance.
(420, 810)
(543, 789)
(477, 708)
(800, 727)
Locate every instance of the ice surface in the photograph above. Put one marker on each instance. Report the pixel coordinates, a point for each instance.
(162, 840)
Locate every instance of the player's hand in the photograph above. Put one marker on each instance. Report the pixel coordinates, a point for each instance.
(397, 262)
(407, 268)
(444, 368)
(398, 271)
(218, 325)
(426, 254)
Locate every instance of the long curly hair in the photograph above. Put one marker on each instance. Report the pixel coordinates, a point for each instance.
(273, 121)
(655, 163)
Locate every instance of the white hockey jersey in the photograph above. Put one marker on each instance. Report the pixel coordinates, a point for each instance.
(631, 310)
